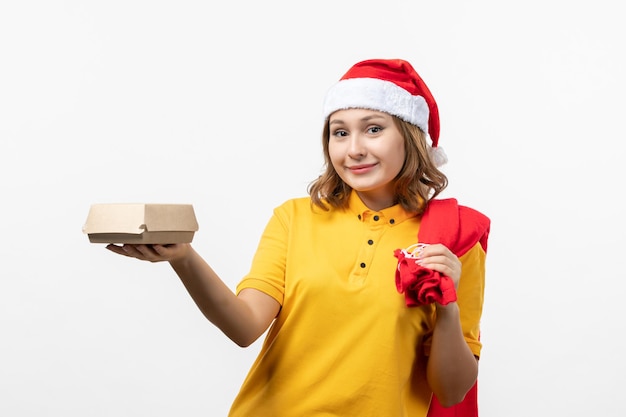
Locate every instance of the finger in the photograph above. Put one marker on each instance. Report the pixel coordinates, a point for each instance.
(120, 250)
(437, 260)
(443, 268)
(163, 250)
(435, 249)
(447, 265)
(134, 251)
(148, 253)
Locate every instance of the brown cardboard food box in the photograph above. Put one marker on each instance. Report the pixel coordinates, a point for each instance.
(141, 223)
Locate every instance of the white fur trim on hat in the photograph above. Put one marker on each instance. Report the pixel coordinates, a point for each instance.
(375, 94)
(437, 155)
(385, 96)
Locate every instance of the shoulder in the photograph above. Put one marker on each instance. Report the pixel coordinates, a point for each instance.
(293, 208)
(474, 226)
(305, 204)
(302, 210)
(451, 207)
(471, 214)
(456, 224)
(295, 204)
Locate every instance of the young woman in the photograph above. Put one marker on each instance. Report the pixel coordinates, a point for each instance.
(346, 338)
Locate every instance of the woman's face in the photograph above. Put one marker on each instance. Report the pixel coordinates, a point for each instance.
(367, 151)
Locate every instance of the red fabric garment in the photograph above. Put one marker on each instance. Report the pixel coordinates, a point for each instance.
(422, 285)
(459, 228)
(466, 408)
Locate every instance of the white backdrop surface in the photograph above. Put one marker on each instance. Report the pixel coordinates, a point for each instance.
(218, 104)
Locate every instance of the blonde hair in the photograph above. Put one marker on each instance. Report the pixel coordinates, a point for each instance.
(419, 179)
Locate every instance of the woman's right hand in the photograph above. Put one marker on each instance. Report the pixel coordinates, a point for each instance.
(153, 253)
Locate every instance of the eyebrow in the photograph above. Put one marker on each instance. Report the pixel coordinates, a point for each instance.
(363, 119)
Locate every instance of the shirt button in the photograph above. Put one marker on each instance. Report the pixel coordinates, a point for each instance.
(370, 242)
(376, 218)
(362, 264)
(392, 221)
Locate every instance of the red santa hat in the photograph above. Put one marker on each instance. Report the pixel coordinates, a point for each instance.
(391, 86)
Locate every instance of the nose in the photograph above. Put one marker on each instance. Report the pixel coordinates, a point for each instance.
(356, 147)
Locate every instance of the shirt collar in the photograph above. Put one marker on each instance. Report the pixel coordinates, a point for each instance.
(393, 215)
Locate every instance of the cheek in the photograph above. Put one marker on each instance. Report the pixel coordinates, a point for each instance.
(397, 160)
(335, 154)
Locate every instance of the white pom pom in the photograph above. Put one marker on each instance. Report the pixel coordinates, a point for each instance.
(438, 156)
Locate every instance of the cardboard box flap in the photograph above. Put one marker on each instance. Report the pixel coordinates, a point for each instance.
(170, 217)
(115, 218)
(140, 218)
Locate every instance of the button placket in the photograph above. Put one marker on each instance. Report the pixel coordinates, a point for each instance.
(374, 227)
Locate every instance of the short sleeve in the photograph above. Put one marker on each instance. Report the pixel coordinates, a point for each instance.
(470, 294)
(267, 272)
(470, 297)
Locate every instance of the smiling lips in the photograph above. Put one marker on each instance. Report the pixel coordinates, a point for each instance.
(361, 169)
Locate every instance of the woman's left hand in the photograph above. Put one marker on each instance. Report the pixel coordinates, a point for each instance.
(439, 258)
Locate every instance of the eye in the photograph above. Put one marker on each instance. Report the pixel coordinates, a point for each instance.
(340, 133)
(375, 129)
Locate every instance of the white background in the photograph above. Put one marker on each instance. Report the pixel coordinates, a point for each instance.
(218, 104)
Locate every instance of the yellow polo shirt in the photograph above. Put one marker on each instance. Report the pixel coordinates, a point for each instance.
(344, 343)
